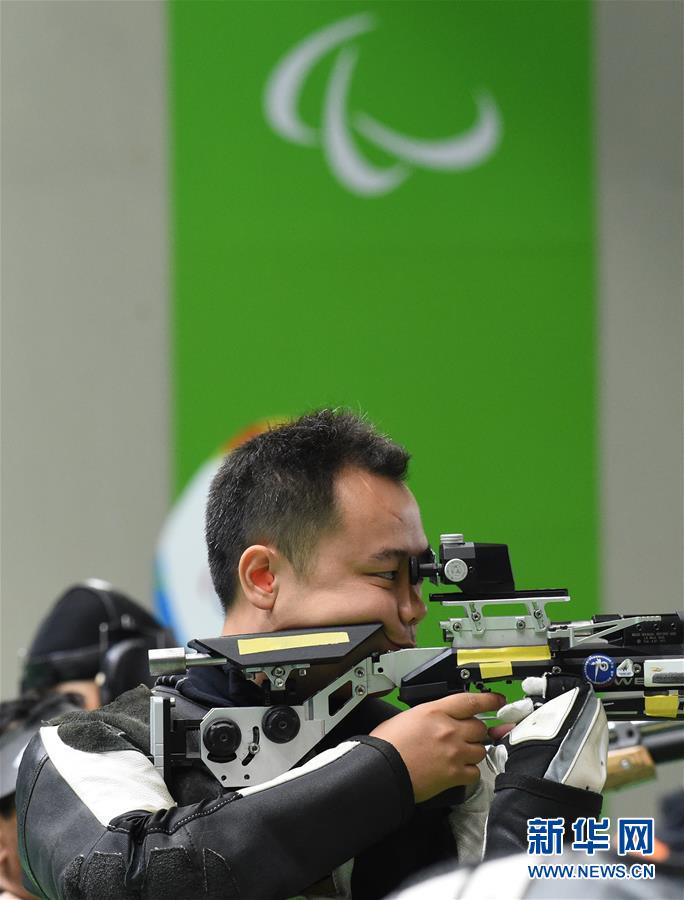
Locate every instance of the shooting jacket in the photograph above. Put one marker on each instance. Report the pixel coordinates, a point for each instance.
(96, 820)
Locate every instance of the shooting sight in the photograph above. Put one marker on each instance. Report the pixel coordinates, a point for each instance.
(311, 679)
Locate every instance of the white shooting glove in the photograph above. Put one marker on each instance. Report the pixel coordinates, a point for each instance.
(564, 739)
(468, 820)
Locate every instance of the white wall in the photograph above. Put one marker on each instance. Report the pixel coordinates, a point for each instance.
(85, 442)
(639, 113)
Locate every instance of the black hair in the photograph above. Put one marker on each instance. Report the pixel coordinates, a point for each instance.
(278, 487)
(7, 805)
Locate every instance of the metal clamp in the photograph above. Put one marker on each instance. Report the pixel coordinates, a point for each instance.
(478, 630)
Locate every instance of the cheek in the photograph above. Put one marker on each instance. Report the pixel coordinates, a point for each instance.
(380, 604)
(353, 603)
(333, 596)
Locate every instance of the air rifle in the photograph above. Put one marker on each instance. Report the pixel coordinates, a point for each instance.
(311, 679)
(636, 748)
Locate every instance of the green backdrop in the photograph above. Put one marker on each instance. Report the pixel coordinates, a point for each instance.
(457, 310)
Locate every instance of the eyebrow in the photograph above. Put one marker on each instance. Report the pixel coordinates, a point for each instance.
(392, 553)
(389, 553)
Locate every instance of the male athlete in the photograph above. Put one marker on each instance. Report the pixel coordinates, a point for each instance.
(310, 524)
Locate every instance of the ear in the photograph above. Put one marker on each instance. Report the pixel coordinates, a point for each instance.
(258, 580)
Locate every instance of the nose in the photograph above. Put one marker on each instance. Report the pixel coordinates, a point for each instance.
(411, 607)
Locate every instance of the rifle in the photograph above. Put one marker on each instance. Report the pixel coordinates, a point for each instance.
(312, 678)
(636, 748)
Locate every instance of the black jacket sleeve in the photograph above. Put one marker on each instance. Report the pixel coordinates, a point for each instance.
(518, 798)
(268, 844)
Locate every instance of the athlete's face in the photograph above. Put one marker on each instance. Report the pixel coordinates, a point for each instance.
(359, 570)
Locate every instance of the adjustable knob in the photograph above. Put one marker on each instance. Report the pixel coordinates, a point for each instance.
(280, 724)
(222, 739)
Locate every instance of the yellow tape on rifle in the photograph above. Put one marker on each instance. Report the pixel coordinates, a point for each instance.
(496, 669)
(497, 661)
(247, 646)
(661, 706)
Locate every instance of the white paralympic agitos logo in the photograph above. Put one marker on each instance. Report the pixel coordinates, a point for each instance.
(281, 97)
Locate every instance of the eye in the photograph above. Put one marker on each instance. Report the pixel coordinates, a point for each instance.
(388, 576)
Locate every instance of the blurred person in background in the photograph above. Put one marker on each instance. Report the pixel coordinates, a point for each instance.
(19, 721)
(88, 649)
(93, 643)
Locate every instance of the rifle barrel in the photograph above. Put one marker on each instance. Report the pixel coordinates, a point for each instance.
(665, 745)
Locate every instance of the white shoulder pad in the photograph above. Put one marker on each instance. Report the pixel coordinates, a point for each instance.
(110, 783)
